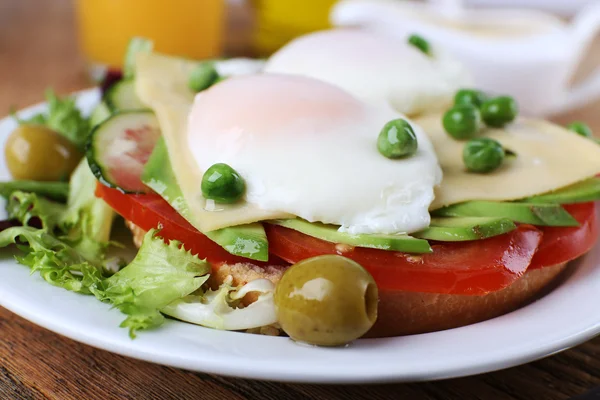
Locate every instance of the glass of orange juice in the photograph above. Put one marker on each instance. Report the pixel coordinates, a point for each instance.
(187, 28)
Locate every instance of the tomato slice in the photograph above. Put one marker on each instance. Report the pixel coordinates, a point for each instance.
(150, 210)
(565, 244)
(470, 268)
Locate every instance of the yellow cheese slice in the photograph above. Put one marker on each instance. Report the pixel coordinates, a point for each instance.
(549, 157)
(162, 84)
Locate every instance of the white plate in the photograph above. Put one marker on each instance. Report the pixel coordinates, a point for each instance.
(565, 317)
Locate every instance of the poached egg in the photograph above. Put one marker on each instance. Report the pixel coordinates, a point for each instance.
(309, 148)
(374, 68)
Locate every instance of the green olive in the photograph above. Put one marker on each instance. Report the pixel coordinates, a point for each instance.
(470, 97)
(222, 184)
(397, 139)
(327, 301)
(581, 129)
(499, 111)
(483, 155)
(202, 77)
(462, 121)
(420, 43)
(37, 153)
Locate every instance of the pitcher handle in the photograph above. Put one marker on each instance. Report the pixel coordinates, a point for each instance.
(584, 28)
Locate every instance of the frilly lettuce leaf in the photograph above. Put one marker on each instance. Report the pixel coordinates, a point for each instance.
(64, 117)
(219, 308)
(26, 206)
(84, 223)
(160, 274)
(57, 262)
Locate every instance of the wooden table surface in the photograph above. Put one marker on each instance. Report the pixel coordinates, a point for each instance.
(38, 49)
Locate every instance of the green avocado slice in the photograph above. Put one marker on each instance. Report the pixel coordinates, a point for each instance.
(248, 240)
(330, 233)
(526, 213)
(460, 229)
(581, 192)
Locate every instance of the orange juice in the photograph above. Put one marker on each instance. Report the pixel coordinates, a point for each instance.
(279, 21)
(188, 28)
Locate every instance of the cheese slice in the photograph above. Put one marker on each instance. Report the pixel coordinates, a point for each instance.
(162, 84)
(549, 157)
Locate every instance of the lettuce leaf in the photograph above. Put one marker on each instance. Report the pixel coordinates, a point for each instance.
(26, 206)
(160, 274)
(64, 117)
(57, 262)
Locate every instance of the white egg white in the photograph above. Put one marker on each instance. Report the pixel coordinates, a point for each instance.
(308, 148)
(375, 68)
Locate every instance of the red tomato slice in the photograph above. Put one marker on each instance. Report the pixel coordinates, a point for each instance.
(471, 268)
(150, 210)
(565, 244)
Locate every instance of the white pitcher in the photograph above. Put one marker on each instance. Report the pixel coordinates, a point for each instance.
(528, 54)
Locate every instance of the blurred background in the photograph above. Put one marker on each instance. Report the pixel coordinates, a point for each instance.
(59, 43)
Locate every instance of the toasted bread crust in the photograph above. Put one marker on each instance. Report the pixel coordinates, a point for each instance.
(403, 312)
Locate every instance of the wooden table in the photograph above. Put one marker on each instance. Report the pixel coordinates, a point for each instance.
(37, 49)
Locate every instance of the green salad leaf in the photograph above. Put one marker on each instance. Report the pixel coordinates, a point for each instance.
(64, 117)
(159, 274)
(24, 206)
(37, 119)
(57, 262)
(54, 190)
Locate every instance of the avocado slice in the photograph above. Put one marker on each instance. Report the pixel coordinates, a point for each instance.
(330, 233)
(248, 240)
(581, 192)
(527, 213)
(460, 229)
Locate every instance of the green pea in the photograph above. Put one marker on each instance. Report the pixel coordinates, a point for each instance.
(483, 155)
(397, 139)
(222, 184)
(202, 77)
(462, 122)
(420, 43)
(499, 111)
(471, 97)
(581, 128)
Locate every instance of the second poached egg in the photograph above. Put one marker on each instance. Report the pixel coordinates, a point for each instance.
(375, 68)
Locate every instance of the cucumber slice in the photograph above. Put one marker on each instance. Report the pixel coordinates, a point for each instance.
(581, 192)
(119, 148)
(460, 229)
(526, 213)
(122, 97)
(330, 233)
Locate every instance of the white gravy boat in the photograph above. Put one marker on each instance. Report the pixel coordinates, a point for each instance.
(528, 54)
